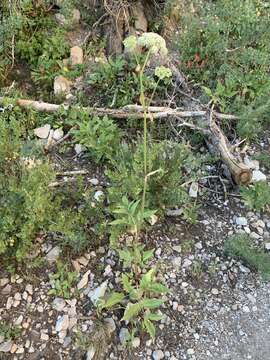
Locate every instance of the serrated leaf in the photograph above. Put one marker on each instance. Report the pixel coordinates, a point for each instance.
(154, 317)
(158, 288)
(148, 254)
(150, 328)
(115, 298)
(152, 303)
(132, 310)
(147, 278)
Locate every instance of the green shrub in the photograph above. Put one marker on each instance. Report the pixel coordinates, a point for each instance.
(225, 46)
(116, 82)
(26, 205)
(172, 160)
(241, 247)
(100, 136)
(257, 196)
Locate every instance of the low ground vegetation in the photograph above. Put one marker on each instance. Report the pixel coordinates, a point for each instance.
(146, 170)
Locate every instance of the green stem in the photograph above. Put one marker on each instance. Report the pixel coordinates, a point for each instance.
(142, 98)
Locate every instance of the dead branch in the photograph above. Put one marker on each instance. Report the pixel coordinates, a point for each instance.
(240, 172)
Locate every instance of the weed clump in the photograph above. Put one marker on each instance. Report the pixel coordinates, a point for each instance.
(242, 248)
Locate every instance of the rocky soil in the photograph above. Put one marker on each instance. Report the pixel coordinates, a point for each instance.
(217, 309)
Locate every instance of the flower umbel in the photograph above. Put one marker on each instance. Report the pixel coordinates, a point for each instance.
(154, 43)
(163, 72)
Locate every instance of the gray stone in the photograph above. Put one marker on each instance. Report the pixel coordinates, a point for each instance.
(241, 221)
(99, 195)
(62, 323)
(6, 346)
(53, 254)
(175, 212)
(43, 131)
(94, 181)
(124, 335)
(58, 304)
(6, 290)
(84, 280)
(267, 246)
(3, 282)
(193, 190)
(158, 355)
(90, 353)
(98, 292)
(110, 324)
(76, 55)
(61, 85)
(136, 342)
(58, 134)
(257, 175)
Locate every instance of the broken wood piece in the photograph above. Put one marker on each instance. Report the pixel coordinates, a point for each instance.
(241, 174)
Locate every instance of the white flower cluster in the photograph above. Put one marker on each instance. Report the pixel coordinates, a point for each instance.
(149, 40)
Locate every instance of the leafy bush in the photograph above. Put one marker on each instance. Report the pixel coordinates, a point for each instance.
(30, 33)
(241, 247)
(26, 205)
(62, 281)
(228, 52)
(117, 82)
(257, 196)
(173, 162)
(101, 136)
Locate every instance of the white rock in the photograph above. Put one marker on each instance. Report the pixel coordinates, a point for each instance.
(158, 355)
(43, 131)
(252, 164)
(58, 304)
(58, 134)
(245, 309)
(267, 246)
(18, 296)
(241, 221)
(136, 342)
(29, 289)
(19, 320)
(84, 280)
(3, 282)
(61, 85)
(6, 346)
(78, 148)
(90, 353)
(76, 55)
(99, 195)
(53, 254)
(93, 181)
(60, 18)
(193, 190)
(175, 212)
(62, 323)
(215, 291)
(76, 16)
(44, 336)
(124, 335)
(190, 351)
(110, 323)
(98, 292)
(257, 175)
(177, 248)
(187, 263)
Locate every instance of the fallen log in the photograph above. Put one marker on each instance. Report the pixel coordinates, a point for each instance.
(241, 174)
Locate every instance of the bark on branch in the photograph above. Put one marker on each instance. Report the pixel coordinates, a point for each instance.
(241, 174)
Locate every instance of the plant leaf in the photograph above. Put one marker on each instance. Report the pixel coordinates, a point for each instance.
(152, 303)
(115, 298)
(132, 310)
(150, 328)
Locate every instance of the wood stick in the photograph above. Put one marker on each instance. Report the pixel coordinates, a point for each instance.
(240, 172)
(129, 111)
